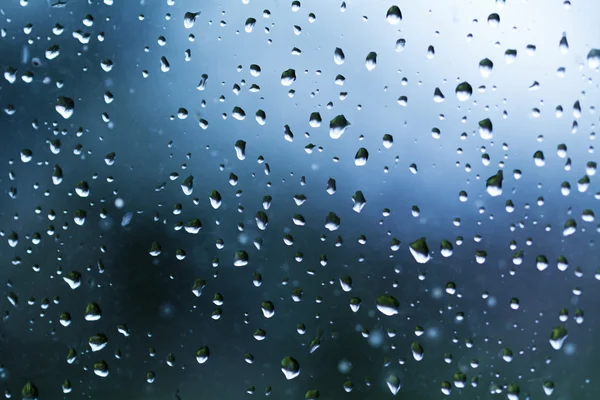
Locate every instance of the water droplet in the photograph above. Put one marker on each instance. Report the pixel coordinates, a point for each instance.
(420, 250)
(215, 199)
(30, 391)
(97, 342)
(362, 155)
(510, 56)
(337, 126)
(73, 279)
(65, 106)
(240, 258)
(417, 351)
(388, 140)
(538, 158)
(338, 56)
(164, 64)
(562, 263)
(240, 150)
(288, 77)
(486, 129)
(493, 20)
(493, 185)
(261, 220)
(202, 354)
(548, 387)
(101, 369)
(261, 117)
(400, 44)
(82, 189)
(394, 384)
(268, 309)
(189, 19)
(315, 120)
(394, 16)
(290, 367)
(593, 58)
(485, 67)
(249, 25)
(570, 227)
(541, 262)
(430, 52)
(359, 201)
(446, 248)
(202, 83)
(332, 222)
(155, 249)
(238, 113)
(463, 91)
(52, 52)
(371, 61)
(438, 96)
(187, 186)
(92, 312)
(563, 45)
(558, 337)
(107, 65)
(66, 386)
(446, 388)
(388, 305)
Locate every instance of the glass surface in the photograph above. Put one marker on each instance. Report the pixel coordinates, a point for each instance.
(299, 199)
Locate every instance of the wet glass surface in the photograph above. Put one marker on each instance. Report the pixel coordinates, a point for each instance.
(315, 199)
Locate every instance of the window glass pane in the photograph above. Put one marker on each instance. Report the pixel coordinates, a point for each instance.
(299, 199)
